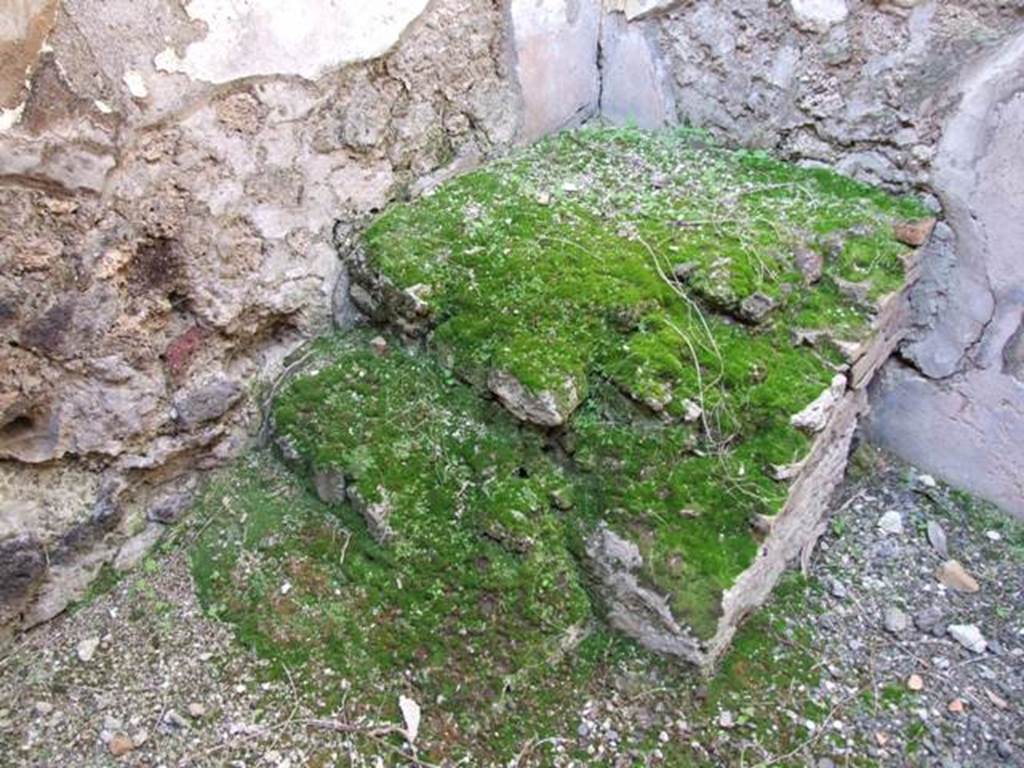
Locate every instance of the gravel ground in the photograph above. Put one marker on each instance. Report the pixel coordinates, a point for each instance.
(887, 624)
(868, 671)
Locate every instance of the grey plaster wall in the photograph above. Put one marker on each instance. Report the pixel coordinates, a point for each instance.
(956, 405)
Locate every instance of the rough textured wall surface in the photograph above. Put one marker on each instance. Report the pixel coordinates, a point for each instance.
(914, 94)
(957, 406)
(555, 45)
(164, 241)
(862, 85)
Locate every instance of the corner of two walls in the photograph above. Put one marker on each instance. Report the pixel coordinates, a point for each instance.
(954, 404)
(577, 60)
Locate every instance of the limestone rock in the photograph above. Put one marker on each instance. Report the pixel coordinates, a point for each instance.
(120, 744)
(815, 416)
(810, 264)
(137, 547)
(546, 408)
(969, 636)
(819, 15)
(896, 622)
(683, 271)
(937, 538)
(376, 513)
(86, 649)
(634, 609)
(891, 523)
(22, 568)
(913, 233)
(330, 485)
(207, 402)
(928, 618)
(756, 307)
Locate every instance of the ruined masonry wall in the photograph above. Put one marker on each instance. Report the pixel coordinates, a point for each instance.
(170, 176)
(174, 173)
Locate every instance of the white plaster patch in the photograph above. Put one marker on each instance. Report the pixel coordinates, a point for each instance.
(819, 15)
(287, 37)
(136, 84)
(10, 117)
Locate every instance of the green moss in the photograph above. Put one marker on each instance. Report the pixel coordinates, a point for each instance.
(554, 264)
(557, 263)
(476, 591)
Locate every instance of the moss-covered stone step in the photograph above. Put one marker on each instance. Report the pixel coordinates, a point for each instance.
(694, 327)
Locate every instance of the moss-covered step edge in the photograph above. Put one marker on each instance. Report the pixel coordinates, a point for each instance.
(434, 234)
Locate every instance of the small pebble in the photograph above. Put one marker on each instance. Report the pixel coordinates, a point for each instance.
(928, 618)
(895, 621)
(172, 722)
(969, 636)
(937, 538)
(956, 577)
(86, 649)
(838, 589)
(891, 523)
(120, 744)
(915, 683)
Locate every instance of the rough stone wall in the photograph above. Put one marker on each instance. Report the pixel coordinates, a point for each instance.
(169, 187)
(861, 85)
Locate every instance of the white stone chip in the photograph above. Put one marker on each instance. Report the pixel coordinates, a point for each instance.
(969, 636)
(814, 418)
(411, 715)
(136, 84)
(891, 523)
(819, 15)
